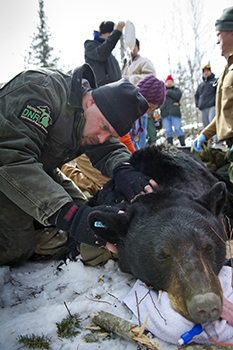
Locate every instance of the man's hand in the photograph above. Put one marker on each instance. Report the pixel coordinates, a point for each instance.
(120, 26)
(73, 218)
(199, 142)
(111, 247)
(131, 182)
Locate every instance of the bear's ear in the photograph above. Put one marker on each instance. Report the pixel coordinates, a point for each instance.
(214, 199)
(108, 225)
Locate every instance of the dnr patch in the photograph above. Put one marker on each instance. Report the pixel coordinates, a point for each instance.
(37, 113)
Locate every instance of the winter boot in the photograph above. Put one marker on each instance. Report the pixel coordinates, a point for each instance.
(182, 142)
(170, 140)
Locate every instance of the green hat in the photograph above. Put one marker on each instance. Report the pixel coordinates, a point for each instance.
(225, 22)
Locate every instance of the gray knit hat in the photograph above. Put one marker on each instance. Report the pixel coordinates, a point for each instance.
(225, 22)
(121, 104)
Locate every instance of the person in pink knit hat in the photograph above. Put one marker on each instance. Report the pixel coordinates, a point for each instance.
(154, 92)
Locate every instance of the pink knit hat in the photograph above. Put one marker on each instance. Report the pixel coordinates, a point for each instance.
(152, 89)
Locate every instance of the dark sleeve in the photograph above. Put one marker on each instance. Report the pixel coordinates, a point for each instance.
(175, 94)
(106, 156)
(101, 52)
(197, 96)
(22, 177)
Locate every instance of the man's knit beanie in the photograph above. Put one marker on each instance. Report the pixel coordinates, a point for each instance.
(225, 22)
(169, 77)
(121, 104)
(106, 27)
(152, 89)
(206, 67)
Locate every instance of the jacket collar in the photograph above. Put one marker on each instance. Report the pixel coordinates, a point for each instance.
(230, 61)
(210, 77)
(76, 91)
(96, 37)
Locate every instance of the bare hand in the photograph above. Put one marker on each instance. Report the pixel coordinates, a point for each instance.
(147, 189)
(150, 188)
(120, 26)
(111, 247)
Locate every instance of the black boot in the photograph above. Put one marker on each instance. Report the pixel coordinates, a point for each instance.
(182, 142)
(170, 140)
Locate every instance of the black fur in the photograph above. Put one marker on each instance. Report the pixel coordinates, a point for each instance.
(172, 239)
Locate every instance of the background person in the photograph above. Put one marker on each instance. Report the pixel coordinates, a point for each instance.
(222, 124)
(154, 92)
(98, 52)
(205, 97)
(136, 69)
(170, 112)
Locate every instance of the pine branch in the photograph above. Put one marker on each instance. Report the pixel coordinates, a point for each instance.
(33, 341)
(70, 326)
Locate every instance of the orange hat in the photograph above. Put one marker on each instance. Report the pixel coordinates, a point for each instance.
(206, 67)
(169, 77)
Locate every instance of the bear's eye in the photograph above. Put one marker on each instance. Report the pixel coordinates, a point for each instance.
(162, 256)
(208, 248)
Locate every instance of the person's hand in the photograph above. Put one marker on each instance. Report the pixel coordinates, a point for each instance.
(120, 26)
(199, 142)
(111, 247)
(73, 218)
(131, 182)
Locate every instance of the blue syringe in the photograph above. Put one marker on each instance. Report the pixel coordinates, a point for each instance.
(187, 336)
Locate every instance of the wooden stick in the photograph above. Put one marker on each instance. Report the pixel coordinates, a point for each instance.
(144, 325)
(124, 329)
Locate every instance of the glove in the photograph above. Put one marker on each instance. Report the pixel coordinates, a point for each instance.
(199, 142)
(231, 149)
(74, 219)
(129, 181)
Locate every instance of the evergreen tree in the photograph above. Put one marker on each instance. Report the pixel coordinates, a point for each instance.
(41, 52)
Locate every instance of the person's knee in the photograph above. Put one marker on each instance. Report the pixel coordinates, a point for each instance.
(17, 233)
(16, 246)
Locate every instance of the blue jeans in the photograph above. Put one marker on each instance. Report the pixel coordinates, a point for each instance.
(142, 135)
(170, 121)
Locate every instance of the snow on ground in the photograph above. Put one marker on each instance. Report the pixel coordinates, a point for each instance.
(32, 298)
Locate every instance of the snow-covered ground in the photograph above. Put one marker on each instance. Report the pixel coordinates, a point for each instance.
(32, 298)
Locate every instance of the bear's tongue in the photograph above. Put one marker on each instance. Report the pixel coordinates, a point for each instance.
(227, 311)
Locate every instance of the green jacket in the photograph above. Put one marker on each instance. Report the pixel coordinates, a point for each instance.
(41, 123)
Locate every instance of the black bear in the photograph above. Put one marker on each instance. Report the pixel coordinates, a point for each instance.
(174, 238)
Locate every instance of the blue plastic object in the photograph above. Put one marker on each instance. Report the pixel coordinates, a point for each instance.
(187, 336)
(99, 224)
